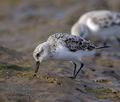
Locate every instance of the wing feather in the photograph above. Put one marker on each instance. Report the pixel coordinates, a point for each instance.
(71, 42)
(106, 20)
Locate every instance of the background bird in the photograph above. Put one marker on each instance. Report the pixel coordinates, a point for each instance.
(103, 24)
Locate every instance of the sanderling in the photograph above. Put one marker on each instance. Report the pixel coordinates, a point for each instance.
(103, 24)
(62, 46)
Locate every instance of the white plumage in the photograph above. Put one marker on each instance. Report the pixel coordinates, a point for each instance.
(64, 47)
(103, 24)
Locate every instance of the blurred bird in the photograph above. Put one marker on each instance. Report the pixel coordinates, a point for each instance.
(103, 24)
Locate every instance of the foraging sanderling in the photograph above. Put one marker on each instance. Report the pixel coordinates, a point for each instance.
(67, 47)
(103, 24)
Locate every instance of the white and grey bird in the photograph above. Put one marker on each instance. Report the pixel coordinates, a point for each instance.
(66, 47)
(103, 24)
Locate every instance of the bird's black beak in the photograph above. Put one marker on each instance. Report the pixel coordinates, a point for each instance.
(36, 68)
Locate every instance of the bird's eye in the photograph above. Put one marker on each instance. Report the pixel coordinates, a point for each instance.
(37, 55)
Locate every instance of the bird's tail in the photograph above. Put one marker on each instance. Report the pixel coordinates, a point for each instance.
(102, 47)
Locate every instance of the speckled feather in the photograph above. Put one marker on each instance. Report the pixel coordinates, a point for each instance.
(108, 20)
(104, 24)
(71, 42)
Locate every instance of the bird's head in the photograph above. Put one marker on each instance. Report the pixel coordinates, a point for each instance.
(40, 53)
(79, 30)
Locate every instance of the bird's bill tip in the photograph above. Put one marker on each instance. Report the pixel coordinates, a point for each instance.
(36, 68)
(34, 75)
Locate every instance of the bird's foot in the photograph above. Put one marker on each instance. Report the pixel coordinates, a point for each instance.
(34, 75)
(72, 77)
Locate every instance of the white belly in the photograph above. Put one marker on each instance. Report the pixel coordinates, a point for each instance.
(64, 54)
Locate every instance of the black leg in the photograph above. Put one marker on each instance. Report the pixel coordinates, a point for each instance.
(75, 65)
(78, 70)
(37, 67)
(74, 68)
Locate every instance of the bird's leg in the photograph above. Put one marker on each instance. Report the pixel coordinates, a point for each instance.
(75, 65)
(36, 68)
(74, 68)
(78, 71)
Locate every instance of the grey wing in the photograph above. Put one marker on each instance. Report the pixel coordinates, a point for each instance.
(75, 43)
(71, 42)
(107, 19)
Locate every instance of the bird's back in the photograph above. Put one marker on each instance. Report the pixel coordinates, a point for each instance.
(101, 23)
(71, 42)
